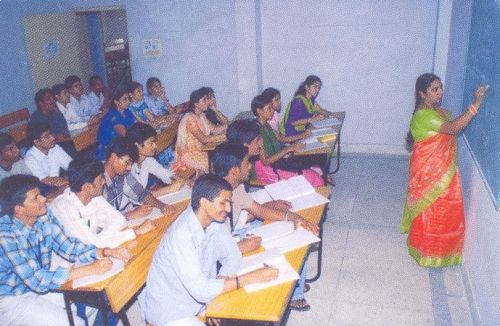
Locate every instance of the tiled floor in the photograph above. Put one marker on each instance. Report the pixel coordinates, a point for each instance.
(368, 277)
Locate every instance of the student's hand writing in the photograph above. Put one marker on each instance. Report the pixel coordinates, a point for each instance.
(142, 210)
(299, 222)
(119, 253)
(261, 275)
(100, 266)
(167, 209)
(282, 205)
(145, 227)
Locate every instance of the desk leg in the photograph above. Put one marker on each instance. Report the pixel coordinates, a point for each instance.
(67, 304)
(320, 250)
(338, 155)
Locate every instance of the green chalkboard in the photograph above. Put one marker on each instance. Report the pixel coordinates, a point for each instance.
(483, 67)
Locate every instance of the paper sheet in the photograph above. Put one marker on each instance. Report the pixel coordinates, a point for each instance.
(273, 230)
(328, 122)
(297, 239)
(91, 279)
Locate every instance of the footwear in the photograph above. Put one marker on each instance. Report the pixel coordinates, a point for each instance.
(299, 305)
(307, 287)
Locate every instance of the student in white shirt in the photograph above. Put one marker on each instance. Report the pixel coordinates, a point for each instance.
(144, 138)
(11, 161)
(79, 101)
(84, 212)
(183, 275)
(45, 158)
(73, 120)
(98, 97)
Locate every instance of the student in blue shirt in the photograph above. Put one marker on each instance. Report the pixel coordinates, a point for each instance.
(115, 122)
(29, 235)
(183, 276)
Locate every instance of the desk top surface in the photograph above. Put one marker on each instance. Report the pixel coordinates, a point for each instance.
(268, 304)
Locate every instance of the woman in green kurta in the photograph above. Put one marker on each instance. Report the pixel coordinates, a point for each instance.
(433, 214)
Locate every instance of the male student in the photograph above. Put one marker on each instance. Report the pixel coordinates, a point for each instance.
(48, 113)
(79, 101)
(230, 161)
(45, 158)
(98, 97)
(144, 138)
(11, 161)
(183, 276)
(85, 214)
(73, 120)
(122, 189)
(28, 237)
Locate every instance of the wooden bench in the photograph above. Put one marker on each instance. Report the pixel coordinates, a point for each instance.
(15, 124)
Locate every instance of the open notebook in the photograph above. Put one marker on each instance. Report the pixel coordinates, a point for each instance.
(171, 198)
(322, 132)
(328, 122)
(91, 279)
(273, 258)
(283, 236)
(297, 190)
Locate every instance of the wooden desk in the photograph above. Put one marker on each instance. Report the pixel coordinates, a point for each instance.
(85, 137)
(115, 292)
(268, 305)
(167, 136)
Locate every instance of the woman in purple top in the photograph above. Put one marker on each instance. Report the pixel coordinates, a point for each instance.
(303, 110)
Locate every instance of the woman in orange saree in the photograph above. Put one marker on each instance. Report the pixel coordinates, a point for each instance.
(433, 215)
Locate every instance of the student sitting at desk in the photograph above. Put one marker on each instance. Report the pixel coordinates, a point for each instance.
(230, 161)
(122, 189)
(98, 97)
(157, 99)
(214, 116)
(45, 158)
(143, 113)
(144, 138)
(275, 160)
(79, 101)
(28, 238)
(194, 132)
(83, 211)
(11, 161)
(183, 276)
(115, 122)
(73, 120)
(274, 96)
(303, 109)
(48, 113)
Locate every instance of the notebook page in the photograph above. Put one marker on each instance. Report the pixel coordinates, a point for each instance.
(175, 197)
(328, 122)
(323, 132)
(307, 201)
(296, 186)
(297, 239)
(261, 196)
(116, 268)
(155, 213)
(253, 262)
(273, 230)
(286, 274)
(312, 146)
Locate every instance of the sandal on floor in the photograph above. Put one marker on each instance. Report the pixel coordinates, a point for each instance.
(299, 305)
(307, 287)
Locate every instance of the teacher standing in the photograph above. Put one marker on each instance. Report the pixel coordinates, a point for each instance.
(433, 215)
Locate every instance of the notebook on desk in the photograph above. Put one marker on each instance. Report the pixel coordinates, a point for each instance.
(284, 237)
(297, 190)
(116, 268)
(171, 198)
(328, 122)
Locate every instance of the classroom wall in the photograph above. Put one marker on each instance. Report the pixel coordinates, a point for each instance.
(366, 52)
(481, 267)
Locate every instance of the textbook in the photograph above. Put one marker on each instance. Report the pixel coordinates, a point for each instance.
(273, 258)
(328, 122)
(116, 268)
(297, 190)
(171, 198)
(283, 236)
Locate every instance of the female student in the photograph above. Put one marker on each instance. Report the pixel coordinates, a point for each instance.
(275, 160)
(217, 118)
(194, 132)
(274, 96)
(115, 122)
(433, 214)
(303, 109)
(141, 110)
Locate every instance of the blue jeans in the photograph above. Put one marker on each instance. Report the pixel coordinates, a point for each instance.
(298, 293)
